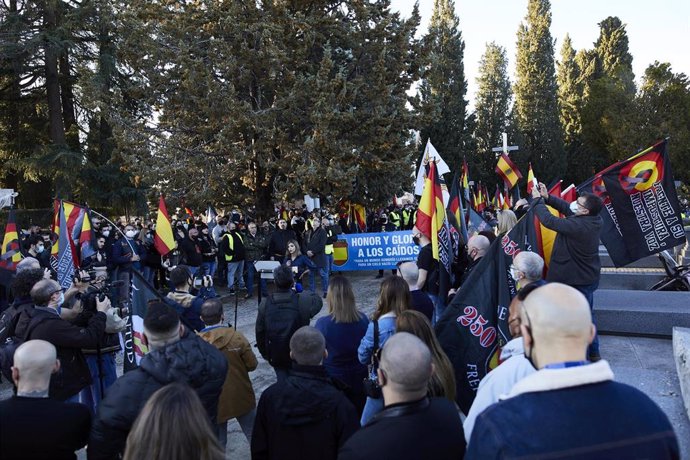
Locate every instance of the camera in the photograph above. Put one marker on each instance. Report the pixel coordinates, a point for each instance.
(82, 276)
(107, 290)
(202, 279)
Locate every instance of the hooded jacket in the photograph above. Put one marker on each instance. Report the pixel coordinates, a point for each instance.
(305, 417)
(237, 397)
(189, 360)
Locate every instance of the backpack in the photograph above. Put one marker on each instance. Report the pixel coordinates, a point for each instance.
(11, 342)
(282, 320)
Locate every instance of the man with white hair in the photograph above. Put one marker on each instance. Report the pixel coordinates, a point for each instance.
(570, 407)
(411, 425)
(527, 268)
(421, 302)
(34, 426)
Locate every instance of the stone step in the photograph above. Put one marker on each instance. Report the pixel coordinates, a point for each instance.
(681, 353)
(644, 313)
(633, 279)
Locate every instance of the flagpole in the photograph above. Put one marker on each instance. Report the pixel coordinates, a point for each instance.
(116, 228)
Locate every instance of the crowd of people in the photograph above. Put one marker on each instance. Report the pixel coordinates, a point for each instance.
(347, 385)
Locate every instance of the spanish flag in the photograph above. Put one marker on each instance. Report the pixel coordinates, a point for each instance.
(10, 253)
(163, 241)
(86, 238)
(508, 171)
(545, 236)
(433, 223)
(360, 215)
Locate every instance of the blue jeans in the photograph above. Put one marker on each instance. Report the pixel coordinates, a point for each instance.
(588, 291)
(209, 268)
(439, 306)
(91, 396)
(329, 263)
(251, 272)
(371, 408)
(235, 270)
(323, 273)
(147, 272)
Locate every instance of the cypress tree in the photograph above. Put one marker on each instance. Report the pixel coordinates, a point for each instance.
(492, 109)
(536, 103)
(443, 89)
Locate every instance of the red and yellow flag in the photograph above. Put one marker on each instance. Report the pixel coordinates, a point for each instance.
(360, 215)
(530, 179)
(508, 171)
(163, 241)
(433, 223)
(10, 253)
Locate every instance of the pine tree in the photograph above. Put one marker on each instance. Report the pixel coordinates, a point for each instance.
(536, 104)
(492, 110)
(443, 105)
(569, 93)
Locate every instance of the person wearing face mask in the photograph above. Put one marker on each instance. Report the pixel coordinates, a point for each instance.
(44, 322)
(527, 268)
(411, 425)
(99, 259)
(569, 407)
(127, 255)
(575, 255)
(514, 365)
(191, 251)
(35, 247)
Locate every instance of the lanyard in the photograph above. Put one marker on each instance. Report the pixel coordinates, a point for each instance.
(566, 364)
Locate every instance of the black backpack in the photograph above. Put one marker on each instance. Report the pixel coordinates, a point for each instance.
(282, 320)
(11, 342)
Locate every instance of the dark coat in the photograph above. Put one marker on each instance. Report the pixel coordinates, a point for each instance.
(191, 252)
(122, 254)
(37, 428)
(317, 245)
(255, 246)
(428, 428)
(575, 255)
(305, 417)
(189, 360)
(68, 340)
(600, 420)
(278, 243)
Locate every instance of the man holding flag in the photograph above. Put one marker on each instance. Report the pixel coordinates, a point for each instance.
(432, 228)
(575, 255)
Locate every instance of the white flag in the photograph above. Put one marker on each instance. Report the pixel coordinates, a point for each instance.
(430, 154)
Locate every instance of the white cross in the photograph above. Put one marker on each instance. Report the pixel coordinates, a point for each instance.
(506, 148)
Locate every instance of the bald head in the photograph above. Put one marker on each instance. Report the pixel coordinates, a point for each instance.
(559, 323)
(406, 366)
(410, 273)
(44, 291)
(477, 246)
(34, 362)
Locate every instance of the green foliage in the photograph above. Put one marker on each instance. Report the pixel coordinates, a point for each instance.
(442, 104)
(492, 111)
(536, 103)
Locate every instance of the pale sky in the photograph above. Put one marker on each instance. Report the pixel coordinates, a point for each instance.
(657, 30)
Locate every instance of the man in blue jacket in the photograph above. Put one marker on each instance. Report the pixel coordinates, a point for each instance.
(127, 256)
(569, 408)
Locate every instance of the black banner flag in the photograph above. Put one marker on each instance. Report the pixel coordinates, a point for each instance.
(641, 210)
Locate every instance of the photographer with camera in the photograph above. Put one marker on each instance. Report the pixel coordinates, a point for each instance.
(101, 358)
(44, 322)
(189, 294)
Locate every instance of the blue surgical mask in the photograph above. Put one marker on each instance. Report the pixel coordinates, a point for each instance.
(574, 207)
(39, 249)
(60, 302)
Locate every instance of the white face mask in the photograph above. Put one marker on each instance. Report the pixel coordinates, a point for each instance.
(39, 249)
(574, 207)
(514, 273)
(106, 233)
(131, 234)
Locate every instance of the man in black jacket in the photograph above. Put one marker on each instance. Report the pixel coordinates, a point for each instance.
(279, 316)
(277, 245)
(175, 355)
(306, 416)
(575, 255)
(316, 251)
(411, 425)
(43, 322)
(32, 425)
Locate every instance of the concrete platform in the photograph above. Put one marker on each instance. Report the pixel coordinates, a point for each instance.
(681, 353)
(644, 313)
(635, 279)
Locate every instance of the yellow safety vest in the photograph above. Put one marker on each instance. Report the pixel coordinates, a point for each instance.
(231, 244)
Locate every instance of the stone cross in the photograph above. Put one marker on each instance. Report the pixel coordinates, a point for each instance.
(505, 148)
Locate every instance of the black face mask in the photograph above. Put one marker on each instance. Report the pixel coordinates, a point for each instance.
(415, 239)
